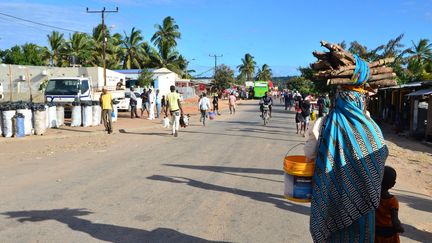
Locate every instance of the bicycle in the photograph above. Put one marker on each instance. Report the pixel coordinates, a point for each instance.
(266, 115)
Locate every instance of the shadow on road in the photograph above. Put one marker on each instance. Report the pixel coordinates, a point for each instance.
(415, 234)
(418, 203)
(276, 200)
(104, 232)
(239, 135)
(165, 134)
(233, 170)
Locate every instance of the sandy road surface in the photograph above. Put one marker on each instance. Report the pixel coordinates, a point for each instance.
(217, 183)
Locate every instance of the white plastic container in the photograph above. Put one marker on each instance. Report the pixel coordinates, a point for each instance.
(97, 113)
(28, 124)
(60, 116)
(1, 123)
(47, 122)
(87, 115)
(52, 117)
(7, 123)
(39, 119)
(76, 116)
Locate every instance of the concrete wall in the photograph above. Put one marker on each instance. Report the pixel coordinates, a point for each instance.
(15, 79)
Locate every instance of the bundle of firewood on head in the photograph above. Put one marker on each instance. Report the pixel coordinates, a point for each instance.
(340, 67)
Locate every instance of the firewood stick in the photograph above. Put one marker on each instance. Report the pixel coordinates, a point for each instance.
(384, 82)
(348, 73)
(382, 76)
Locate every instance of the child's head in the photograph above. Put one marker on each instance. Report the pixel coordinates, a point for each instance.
(389, 178)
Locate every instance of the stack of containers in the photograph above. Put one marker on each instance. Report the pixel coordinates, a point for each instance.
(39, 119)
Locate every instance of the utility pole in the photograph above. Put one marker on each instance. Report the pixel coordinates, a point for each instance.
(104, 40)
(215, 57)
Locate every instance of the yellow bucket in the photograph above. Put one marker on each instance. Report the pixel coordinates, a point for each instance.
(298, 178)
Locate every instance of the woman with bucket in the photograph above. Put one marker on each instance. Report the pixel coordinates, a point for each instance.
(349, 152)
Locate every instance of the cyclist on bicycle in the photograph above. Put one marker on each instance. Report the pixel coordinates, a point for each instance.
(204, 106)
(266, 100)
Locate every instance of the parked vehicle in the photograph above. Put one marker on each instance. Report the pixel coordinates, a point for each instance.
(124, 104)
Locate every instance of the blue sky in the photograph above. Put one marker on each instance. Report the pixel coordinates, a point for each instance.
(281, 33)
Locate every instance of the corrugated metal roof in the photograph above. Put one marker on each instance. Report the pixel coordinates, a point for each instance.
(421, 92)
(132, 71)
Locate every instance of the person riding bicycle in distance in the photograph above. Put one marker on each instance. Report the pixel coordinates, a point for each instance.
(266, 100)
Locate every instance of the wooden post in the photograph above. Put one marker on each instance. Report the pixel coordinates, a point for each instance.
(10, 83)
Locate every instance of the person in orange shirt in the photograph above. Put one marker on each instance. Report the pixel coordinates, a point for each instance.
(388, 225)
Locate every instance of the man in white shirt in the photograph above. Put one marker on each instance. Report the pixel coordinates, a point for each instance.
(152, 103)
(204, 106)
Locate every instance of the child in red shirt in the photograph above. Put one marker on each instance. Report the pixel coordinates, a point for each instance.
(388, 225)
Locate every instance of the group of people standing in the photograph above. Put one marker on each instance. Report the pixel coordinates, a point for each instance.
(304, 108)
(150, 101)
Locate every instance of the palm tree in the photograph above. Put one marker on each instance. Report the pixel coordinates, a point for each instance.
(422, 51)
(166, 58)
(264, 73)
(247, 68)
(166, 34)
(56, 42)
(363, 52)
(420, 61)
(131, 44)
(78, 46)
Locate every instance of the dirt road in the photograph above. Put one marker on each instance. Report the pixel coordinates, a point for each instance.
(217, 183)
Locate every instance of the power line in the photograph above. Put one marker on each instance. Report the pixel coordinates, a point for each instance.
(37, 23)
(23, 24)
(215, 57)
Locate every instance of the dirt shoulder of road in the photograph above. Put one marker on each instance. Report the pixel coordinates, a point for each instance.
(123, 124)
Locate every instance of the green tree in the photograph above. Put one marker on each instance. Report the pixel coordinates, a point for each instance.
(145, 78)
(224, 77)
(166, 34)
(131, 45)
(247, 68)
(79, 46)
(33, 54)
(301, 84)
(264, 73)
(14, 55)
(56, 42)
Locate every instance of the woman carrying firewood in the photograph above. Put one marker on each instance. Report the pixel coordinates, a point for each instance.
(349, 152)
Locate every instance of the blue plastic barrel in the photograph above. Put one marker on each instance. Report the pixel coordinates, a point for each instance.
(20, 127)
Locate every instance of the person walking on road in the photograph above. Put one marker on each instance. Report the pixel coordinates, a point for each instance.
(107, 108)
(204, 106)
(216, 102)
(232, 103)
(349, 152)
(158, 103)
(152, 102)
(144, 105)
(133, 101)
(174, 107)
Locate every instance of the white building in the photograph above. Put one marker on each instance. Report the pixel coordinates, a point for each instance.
(163, 78)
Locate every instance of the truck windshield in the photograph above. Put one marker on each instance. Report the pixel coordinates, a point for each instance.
(62, 87)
